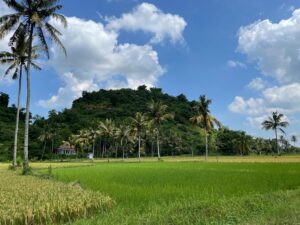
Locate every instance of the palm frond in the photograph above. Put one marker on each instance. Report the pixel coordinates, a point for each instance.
(7, 26)
(19, 35)
(53, 35)
(6, 55)
(47, 3)
(5, 61)
(16, 73)
(281, 130)
(14, 5)
(10, 68)
(49, 11)
(61, 19)
(43, 40)
(35, 66)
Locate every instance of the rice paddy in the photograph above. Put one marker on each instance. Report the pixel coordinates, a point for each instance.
(193, 192)
(176, 191)
(31, 200)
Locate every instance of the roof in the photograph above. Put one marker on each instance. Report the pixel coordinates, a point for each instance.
(66, 146)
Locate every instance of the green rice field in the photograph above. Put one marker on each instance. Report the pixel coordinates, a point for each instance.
(193, 192)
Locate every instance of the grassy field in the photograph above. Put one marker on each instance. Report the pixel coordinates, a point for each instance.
(193, 192)
(227, 159)
(179, 190)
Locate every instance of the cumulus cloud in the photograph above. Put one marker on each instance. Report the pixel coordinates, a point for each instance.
(236, 64)
(148, 18)
(285, 99)
(274, 46)
(257, 84)
(96, 60)
(251, 106)
(4, 10)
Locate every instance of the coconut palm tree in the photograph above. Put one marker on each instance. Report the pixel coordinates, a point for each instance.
(32, 18)
(107, 130)
(294, 139)
(16, 60)
(138, 124)
(93, 134)
(44, 137)
(204, 119)
(151, 136)
(242, 143)
(157, 115)
(124, 136)
(275, 123)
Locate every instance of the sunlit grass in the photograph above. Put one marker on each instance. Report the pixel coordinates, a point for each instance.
(202, 193)
(31, 200)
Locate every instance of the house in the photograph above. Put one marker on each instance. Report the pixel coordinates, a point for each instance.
(66, 149)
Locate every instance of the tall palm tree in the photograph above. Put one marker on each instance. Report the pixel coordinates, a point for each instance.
(204, 119)
(44, 137)
(151, 136)
(107, 130)
(124, 135)
(32, 18)
(138, 124)
(242, 143)
(16, 59)
(294, 139)
(275, 123)
(157, 115)
(93, 134)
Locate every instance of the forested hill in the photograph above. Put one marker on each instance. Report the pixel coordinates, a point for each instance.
(124, 103)
(178, 136)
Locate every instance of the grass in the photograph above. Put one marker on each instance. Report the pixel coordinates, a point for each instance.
(31, 200)
(193, 192)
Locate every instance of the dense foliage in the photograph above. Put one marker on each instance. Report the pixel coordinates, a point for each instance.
(178, 135)
(7, 127)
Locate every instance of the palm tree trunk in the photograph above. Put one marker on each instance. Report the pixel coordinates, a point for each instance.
(52, 146)
(26, 133)
(152, 148)
(93, 148)
(277, 142)
(206, 145)
(139, 148)
(107, 154)
(17, 120)
(43, 150)
(103, 147)
(158, 150)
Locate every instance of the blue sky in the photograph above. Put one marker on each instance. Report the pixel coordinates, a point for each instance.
(242, 54)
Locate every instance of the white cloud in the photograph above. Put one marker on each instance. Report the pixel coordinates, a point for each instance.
(285, 99)
(4, 80)
(274, 46)
(96, 60)
(148, 18)
(257, 84)
(73, 89)
(255, 122)
(251, 106)
(236, 64)
(4, 9)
